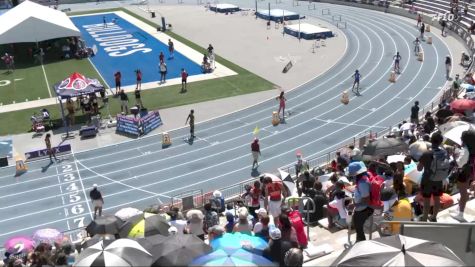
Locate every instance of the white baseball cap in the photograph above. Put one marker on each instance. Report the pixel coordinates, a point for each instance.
(94, 185)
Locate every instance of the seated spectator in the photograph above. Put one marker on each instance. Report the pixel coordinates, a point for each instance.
(320, 201)
(305, 182)
(294, 257)
(176, 220)
(195, 223)
(230, 222)
(396, 208)
(261, 228)
(277, 247)
(210, 217)
(287, 230)
(243, 226)
(61, 260)
(215, 232)
(337, 211)
(217, 202)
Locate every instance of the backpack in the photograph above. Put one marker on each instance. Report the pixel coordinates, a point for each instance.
(440, 165)
(375, 186)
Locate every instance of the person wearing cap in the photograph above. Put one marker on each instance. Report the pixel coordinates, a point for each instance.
(276, 249)
(362, 210)
(217, 202)
(256, 152)
(97, 200)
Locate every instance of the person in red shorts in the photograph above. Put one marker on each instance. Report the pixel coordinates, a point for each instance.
(138, 75)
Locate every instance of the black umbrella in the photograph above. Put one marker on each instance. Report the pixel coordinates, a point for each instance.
(108, 224)
(385, 147)
(97, 238)
(178, 250)
(444, 113)
(121, 252)
(398, 250)
(143, 225)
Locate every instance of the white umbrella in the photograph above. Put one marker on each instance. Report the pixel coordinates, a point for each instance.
(127, 213)
(418, 148)
(395, 158)
(406, 126)
(288, 181)
(443, 128)
(398, 250)
(455, 133)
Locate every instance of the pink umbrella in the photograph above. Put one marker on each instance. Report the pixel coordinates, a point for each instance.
(48, 235)
(19, 244)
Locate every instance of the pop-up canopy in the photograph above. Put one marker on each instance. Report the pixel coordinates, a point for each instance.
(77, 84)
(32, 22)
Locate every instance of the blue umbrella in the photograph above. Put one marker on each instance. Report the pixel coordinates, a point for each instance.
(230, 242)
(238, 257)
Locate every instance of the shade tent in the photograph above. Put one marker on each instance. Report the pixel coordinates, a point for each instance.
(32, 22)
(77, 84)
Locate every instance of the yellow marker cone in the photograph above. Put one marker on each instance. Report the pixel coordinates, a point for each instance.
(256, 130)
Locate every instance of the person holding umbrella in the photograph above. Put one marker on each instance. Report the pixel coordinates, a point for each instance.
(97, 200)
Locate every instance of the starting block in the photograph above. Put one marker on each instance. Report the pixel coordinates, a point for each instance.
(20, 165)
(420, 56)
(344, 98)
(166, 140)
(275, 118)
(427, 28)
(429, 40)
(392, 77)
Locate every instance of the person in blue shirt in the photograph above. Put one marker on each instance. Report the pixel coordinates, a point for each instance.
(362, 210)
(356, 83)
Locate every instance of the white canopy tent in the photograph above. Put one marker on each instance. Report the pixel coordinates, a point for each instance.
(32, 22)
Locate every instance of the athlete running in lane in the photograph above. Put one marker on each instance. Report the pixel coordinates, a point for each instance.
(397, 58)
(417, 46)
(357, 77)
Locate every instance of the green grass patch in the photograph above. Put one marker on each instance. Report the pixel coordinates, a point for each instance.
(163, 97)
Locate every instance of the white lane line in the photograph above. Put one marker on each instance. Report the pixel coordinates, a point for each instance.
(60, 188)
(119, 170)
(82, 185)
(46, 79)
(380, 107)
(351, 124)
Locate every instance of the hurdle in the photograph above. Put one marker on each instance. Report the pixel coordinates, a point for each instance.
(325, 11)
(336, 18)
(341, 24)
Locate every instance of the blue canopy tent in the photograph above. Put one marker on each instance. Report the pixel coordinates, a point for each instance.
(73, 86)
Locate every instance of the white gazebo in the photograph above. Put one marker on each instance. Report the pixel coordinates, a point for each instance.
(32, 22)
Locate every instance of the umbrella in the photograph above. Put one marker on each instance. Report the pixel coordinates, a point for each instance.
(398, 250)
(235, 241)
(48, 235)
(462, 104)
(97, 238)
(468, 87)
(288, 181)
(121, 252)
(411, 172)
(127, 213)
(455, 133)
(239, 257)
(444, 113)
(275, 178)
(19, 244)
(406, 126)
(178, 250)
(77, 84)
(418, 148)
(108, 224)
(385, 146)
(144, 225)
(443, 128)
(395, 158)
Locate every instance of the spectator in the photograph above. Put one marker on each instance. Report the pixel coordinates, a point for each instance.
(294, 257)
(277, 247)
(184, 77)
(138, 98)
(356, 154)
(230, 222)
(396, 208)
(61, 260)
(301, 164)
(217, 202)
(320, 200)
(195, 224)
(415, 113)
(97, 200)
(429, 123)
(243, 226)
(163, 72)
(305, 182)
(124, 101)
(337, 212)
(431, 183)
(261, 228)
(210, 217)
(361, 200)
(448, 66)
(296, 219)
(215, 232)
(176, 220)
(71, 111)
(288, 231)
